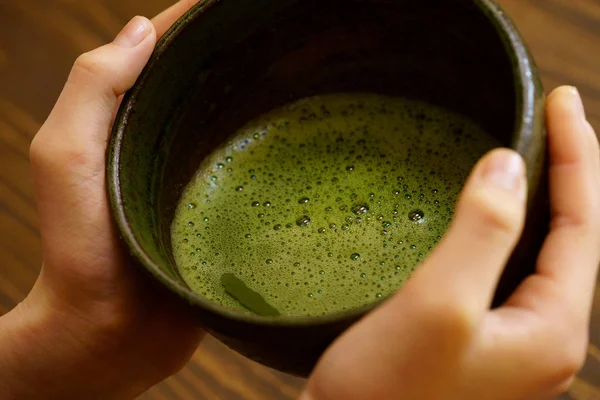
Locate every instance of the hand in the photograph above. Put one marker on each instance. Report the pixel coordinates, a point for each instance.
(438, 339)
(92, 327)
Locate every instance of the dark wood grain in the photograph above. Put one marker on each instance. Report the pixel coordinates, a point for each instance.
(40, 39)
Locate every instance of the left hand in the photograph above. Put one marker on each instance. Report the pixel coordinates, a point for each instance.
(93, 325)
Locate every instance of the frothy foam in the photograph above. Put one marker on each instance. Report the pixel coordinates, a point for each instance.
(324, 205)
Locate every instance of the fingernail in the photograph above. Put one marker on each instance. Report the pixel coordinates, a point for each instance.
(134, 33)
(577, 102)
(505, 169)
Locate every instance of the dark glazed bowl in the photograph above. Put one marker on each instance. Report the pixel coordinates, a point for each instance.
(228, 61)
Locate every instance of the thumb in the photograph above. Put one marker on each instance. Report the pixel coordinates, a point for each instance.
(464, 269)
(86, 106)
(68, 153)
(420, 333)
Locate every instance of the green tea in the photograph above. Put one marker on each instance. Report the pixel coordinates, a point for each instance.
(323, 205)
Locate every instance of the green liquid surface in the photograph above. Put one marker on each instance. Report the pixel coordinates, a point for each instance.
(323, 205)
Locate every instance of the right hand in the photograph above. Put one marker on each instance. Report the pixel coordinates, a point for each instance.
(438, 338)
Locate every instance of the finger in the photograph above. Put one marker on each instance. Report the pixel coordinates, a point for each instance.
(465, 267)
(96, 81)
(68, 153)
(442, 299)
(163, 21)
(568, 263)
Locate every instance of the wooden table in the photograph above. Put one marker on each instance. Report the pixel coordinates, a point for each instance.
(40, 39)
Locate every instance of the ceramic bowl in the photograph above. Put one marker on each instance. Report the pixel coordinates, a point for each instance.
(226, 62)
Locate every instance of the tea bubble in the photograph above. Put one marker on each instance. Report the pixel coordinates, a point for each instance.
(303, 221)
(416, 215)
(366, 183)
(360, 209)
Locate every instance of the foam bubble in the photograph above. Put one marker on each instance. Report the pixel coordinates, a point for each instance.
(338, 172)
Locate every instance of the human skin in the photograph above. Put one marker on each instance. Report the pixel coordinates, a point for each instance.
(439, 339)
(93, 327)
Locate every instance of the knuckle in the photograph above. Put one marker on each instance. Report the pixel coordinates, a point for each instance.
(75, 158)
(456, 320)
(44, 154)
(110, 326)
(496, 211)
(86, 65)
(445, 317)
(57, 158)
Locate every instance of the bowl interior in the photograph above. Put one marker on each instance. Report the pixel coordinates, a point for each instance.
(227, 62)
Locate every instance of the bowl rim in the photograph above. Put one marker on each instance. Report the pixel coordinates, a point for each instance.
(526, 87)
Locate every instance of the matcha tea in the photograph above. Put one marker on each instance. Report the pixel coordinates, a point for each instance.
(323, 205)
